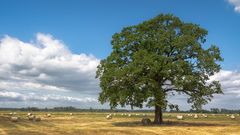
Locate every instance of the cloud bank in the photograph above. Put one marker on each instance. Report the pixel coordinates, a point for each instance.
(230, 82)
(14, 96)
(236, 4)
(44, 66)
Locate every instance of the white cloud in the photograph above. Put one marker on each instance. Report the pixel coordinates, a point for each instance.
(46, 62)
(230, 81)
(45, 65)
(15, 96)
(10, 95)
(8, 85)
(236, 4)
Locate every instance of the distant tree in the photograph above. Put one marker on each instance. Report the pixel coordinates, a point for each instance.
(90, 109)
(215, 110)
(67, 108)
(158, 58)
(33, 109)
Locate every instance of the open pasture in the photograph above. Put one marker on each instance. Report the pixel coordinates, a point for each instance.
(92, 123)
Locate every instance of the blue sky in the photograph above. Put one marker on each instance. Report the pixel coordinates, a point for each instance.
(85, 28)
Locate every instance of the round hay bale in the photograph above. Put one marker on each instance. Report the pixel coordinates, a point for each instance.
(108, 117)
(38, 119)
(179, 117)
(29, 114)
(31, 117)
(232, 117)
(49, 115)
(71, 114)
(146, 121)
(195, 116)
(129, 115)
(14, 119)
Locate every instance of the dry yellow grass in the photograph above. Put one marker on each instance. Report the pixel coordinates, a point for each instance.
(97, 124)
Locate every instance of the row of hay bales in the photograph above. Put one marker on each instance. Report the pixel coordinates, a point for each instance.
(232, 116)
(30, 116)
(12, 113)
(12, 117)
(109, 116)
(131, 114)
(179, 117)
(147, 121)
(196, 116)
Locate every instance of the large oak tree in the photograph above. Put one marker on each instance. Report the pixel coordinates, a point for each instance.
(155, 59)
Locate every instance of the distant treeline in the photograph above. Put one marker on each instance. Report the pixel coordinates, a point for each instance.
(70, 109)
(73, 109)
(212, 110)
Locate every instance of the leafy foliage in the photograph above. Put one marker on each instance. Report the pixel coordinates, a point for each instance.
(157, 58)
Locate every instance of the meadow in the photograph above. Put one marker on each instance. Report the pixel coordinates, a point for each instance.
(92, 123)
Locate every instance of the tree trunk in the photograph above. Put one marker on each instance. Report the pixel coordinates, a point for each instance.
(158, 115)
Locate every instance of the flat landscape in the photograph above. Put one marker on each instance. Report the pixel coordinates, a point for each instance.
(92, 123)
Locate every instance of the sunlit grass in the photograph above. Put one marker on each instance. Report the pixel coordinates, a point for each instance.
(87, 123)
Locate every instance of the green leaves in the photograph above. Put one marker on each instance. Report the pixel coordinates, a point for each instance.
(156, 57)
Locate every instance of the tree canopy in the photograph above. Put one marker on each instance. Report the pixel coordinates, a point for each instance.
(155, 59)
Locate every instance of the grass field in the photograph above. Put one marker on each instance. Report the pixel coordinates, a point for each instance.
(89, 123)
